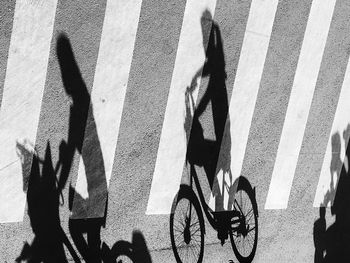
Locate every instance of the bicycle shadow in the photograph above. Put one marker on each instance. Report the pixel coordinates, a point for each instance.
(90, 247)
(124, 251)
(211, 155)
(332, 244)
(44, 188)
(43, 201)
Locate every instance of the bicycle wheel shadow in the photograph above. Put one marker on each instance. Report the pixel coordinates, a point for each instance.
(332, 244)
(124, 251)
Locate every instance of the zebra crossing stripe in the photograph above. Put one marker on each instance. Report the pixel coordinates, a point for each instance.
(247, 82)
(110, 83)
(299, 103)
(23, 92)
(172, 146)
(336, 147)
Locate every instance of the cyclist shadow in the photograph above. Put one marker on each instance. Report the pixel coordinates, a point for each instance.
(82, 137)
(44, 189)
(87, 214)
(44, 197)
(332, 244)
(212, 156)
(201, 151)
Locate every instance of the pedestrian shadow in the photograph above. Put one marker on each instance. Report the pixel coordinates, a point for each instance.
(332, 244)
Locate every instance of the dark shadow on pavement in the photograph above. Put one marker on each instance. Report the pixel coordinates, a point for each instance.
(44, 194)
(236, 219)
(88, 214)
(200, 151)
(82, 136)
(332, 244)
(124, 251)
(44, 187)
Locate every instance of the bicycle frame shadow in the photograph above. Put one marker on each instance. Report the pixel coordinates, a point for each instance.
(44, 197)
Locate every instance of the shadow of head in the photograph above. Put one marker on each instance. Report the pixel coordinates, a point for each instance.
(71, 77)
(336, 143)
(206, 23)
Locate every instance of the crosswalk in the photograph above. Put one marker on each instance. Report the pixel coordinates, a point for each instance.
(299, 103)
(25, 82)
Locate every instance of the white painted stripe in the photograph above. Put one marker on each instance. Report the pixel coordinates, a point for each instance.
(110, 82)
(23, 91)
(299, 103)
(245, 90)
(172, 146)
(325, 193)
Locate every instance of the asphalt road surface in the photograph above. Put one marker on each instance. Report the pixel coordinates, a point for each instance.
(97, 104)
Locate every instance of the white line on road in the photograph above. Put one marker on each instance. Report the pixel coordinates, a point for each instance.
(299, 103)
(23, 91)
(336, 147)
(172, 146)
(110, 83)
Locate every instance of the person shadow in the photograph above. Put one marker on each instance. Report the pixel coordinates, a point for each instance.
(88, 215)
(44, 187)
(332, 244)
(201, 151)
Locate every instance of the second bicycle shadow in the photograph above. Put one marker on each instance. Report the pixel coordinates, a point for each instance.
(123, 251)
(233, 210)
